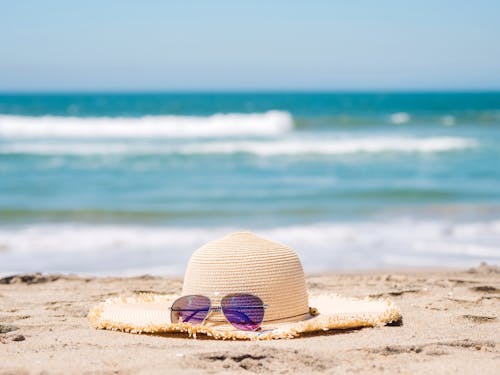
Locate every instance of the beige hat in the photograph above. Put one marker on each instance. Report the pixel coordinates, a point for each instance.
(245, 263)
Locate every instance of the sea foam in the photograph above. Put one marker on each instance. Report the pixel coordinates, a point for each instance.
(332, 146)
(285, 146)
(233, 124)
(400, 118)
(134, 249)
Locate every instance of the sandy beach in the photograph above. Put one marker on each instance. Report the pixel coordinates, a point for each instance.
(450, 325)
(311, 168)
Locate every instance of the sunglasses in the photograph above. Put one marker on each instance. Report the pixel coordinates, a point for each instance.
(243, 311)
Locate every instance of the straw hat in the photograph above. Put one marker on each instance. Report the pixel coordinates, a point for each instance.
(245, 263)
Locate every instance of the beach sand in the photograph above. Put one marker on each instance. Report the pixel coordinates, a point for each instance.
(451, 324)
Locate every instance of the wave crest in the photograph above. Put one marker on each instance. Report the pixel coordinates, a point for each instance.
(232, 124)
(115, 249)
(262, 148)
(331, 147)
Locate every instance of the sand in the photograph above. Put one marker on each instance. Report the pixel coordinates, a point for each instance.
(451, 325)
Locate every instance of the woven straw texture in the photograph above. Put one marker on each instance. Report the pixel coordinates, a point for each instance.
(244, 263)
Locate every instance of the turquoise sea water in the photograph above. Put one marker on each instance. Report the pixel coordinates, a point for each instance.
(132, 183)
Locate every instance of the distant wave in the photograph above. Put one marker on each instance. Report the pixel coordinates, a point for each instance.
(233, 124)
(264, 148)
(133, 249)
(452, 118)
(332, 147)
(400, 118)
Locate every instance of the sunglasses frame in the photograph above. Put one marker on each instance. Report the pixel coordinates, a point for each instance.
(217, 309)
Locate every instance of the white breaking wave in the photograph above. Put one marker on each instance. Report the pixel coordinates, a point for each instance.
(234, 124)
(400, 118)
(332, 147)
(288, 146)
(126, 249)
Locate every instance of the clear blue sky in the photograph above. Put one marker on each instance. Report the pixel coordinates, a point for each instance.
(63, 45)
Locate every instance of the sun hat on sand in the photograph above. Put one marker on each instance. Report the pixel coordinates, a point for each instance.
(243, 263)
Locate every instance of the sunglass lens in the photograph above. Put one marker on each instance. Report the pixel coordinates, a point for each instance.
(243, 311)
(190, 309)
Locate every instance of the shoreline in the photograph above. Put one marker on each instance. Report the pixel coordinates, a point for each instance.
(450, 317)
(38, 276)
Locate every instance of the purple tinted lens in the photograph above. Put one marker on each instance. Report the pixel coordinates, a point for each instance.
(244, 311)
(190, 309)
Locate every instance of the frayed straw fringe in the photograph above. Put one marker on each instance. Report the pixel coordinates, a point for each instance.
(377, 312)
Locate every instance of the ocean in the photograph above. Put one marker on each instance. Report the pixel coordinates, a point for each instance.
(128, 184)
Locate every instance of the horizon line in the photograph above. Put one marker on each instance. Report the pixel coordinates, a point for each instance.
(248, 91)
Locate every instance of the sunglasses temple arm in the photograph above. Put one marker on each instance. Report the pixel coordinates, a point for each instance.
(208, 315)
(193, 314)
(241, 315)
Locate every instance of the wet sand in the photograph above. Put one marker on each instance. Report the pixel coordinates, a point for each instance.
(451, 324)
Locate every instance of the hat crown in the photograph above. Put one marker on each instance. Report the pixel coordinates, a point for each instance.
(245, 263)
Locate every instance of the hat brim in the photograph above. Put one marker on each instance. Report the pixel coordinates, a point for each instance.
(150, 314)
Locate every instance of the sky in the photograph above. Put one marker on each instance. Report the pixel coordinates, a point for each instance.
(122, 45)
